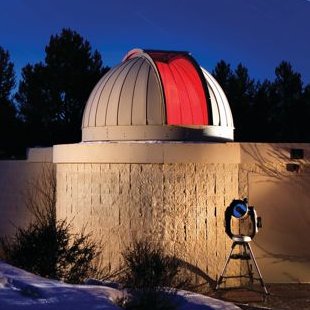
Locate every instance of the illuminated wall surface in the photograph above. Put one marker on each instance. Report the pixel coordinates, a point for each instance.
(156, 162)
(176, 194)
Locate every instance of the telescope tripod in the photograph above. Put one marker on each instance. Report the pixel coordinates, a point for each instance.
(246, 255)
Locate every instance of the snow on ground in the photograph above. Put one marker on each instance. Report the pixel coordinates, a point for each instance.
(22, 290)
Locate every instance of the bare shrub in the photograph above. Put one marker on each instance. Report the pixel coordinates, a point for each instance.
(150, 277)
(48, 247)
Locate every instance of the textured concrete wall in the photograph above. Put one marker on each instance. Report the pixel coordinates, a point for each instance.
(179, 205)
(182, 202)
(16, 179)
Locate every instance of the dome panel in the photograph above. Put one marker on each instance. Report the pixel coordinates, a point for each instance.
(89, 116)
(112, 111)
(101, 94)
(196, 112)
(140, 94)
(214, 106)
(221, 101)
(126, 96)
(105, 96)
(101, 101)
(88, 108)
(179, 79)
(155, 108)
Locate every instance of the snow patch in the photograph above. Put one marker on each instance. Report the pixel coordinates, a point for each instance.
(20, 289)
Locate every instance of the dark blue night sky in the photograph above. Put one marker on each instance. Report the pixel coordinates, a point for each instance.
(258, 33)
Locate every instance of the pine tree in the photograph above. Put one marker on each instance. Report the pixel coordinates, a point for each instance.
(52, 95)
(8, 120)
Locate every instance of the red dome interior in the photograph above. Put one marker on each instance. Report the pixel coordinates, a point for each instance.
(184, 91)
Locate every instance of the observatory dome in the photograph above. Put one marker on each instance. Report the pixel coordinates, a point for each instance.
(157, 95)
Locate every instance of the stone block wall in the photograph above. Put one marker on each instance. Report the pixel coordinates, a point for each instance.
(180, 206)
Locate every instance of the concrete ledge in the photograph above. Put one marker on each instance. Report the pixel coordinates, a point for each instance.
(147, 152)
(156, 132)
(260, 153)
(40, 155)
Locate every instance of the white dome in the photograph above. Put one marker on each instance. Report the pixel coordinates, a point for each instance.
(157, 95)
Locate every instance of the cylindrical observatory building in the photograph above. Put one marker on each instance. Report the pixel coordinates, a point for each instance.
(157, 163)
(148, 166)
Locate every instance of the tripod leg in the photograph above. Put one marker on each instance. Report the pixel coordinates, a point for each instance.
(250, 271)
(258, 271)
(219, 281)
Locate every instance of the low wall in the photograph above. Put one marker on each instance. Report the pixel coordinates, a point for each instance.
(175, 193)
(16, 179)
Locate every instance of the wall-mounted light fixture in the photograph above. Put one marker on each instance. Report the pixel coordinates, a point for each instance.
(293, 167)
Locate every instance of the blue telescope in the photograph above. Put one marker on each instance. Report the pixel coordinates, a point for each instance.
(240, 210)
